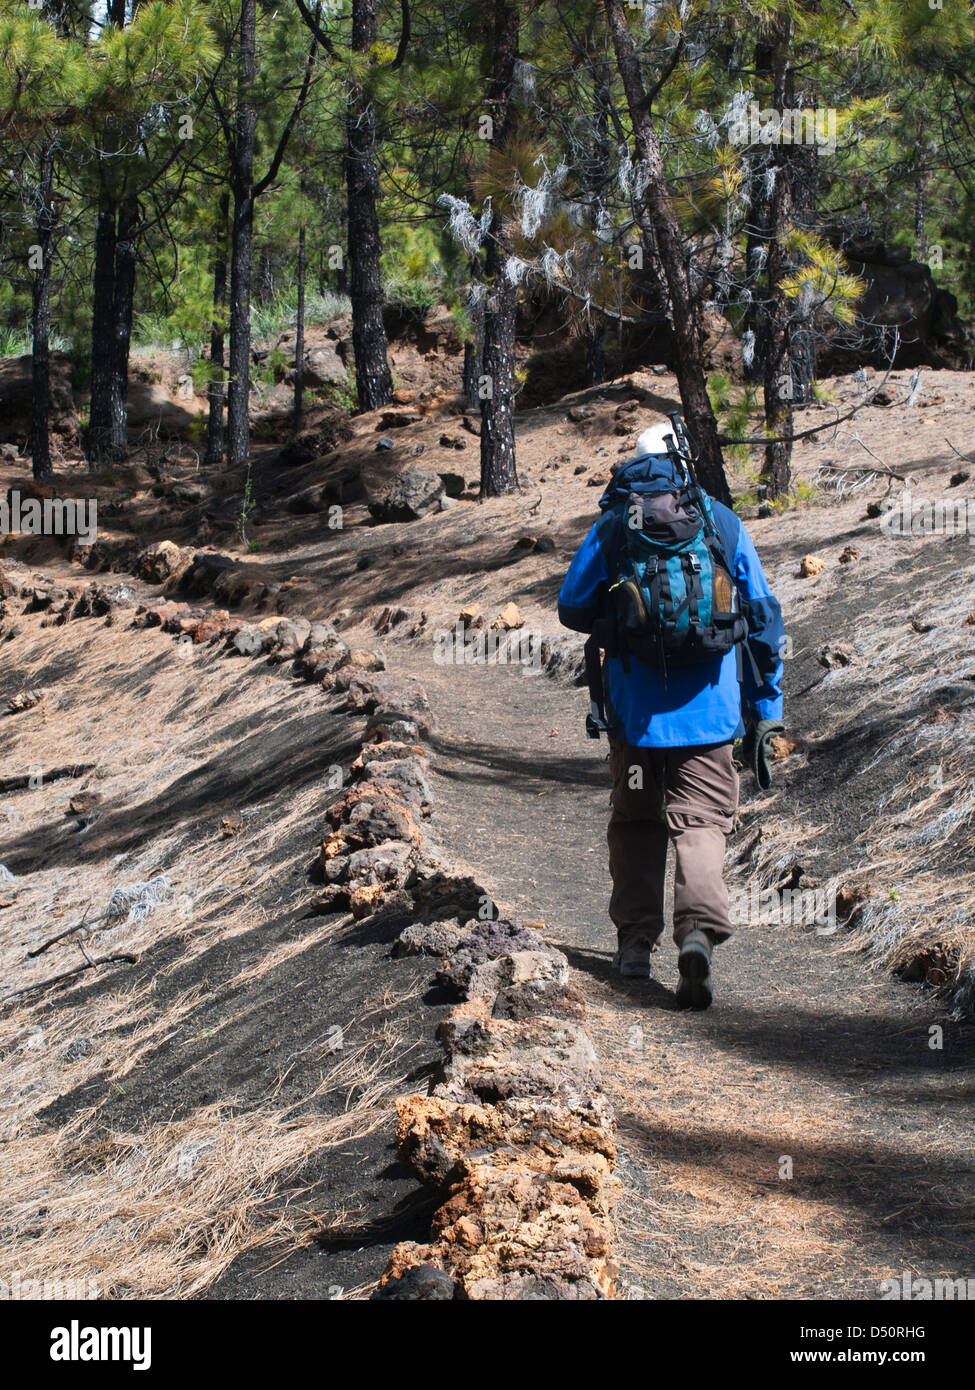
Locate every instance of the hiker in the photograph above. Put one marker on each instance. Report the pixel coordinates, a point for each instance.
(669, 584)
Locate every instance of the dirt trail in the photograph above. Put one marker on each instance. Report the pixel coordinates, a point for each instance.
(807, 1056)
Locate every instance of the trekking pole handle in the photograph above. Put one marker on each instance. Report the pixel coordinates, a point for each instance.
(683, 437)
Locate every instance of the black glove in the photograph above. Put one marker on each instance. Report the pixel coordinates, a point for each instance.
(756, 749)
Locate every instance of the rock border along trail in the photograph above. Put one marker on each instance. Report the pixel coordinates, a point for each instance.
(516, 1137)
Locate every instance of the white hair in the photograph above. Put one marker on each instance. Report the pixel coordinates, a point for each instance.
(653, 440)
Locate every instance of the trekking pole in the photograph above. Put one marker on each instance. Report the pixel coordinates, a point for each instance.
(687, 451)
(685, 444)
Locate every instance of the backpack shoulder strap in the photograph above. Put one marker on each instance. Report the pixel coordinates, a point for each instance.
(596, 718)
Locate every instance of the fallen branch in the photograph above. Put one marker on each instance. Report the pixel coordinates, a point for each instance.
(964, 457)
(90, 964)
(862, 468)
(724, 439)
(57, 774)
(885, 466)
(53, 940)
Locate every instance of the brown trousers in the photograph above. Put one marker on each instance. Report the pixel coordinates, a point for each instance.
(687, 796)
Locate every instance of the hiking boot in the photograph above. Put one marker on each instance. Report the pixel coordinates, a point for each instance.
(632, 959)
(694, 990)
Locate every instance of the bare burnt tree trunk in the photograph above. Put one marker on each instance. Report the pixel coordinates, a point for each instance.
(299, 413)
(474, 347)
(40, 442)
(653, 290)
(756, 251)
(597, 171)
(374, 381)
(474, 357)
(242, 241)
(499, 472)
(265, 280)
(596, 352)
(216, 385)
(123, 300)
(803, 167)
(98, 448)
(757, 236)
(691, 377)
(99, 441)
(777, 368)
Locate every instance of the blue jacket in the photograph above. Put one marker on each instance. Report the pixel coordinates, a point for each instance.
(706, 703)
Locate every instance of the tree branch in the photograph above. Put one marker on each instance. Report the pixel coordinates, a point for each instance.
(404, 37)
(725, 439)
(312, 21)
(272, 173)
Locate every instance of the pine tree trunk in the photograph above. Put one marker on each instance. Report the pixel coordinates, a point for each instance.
(99, 441)
(40, 443)
(265, 280)
(216, 386)
(98, 448)
(756, 251)
(474, 347)
(777, 367)
(374, 382)
(804, 185)
(691, 377)
(474, 359)
(124, 296)
(242, 243)
(499, 472)
(596, 174)
(596, 353)
(299, 417)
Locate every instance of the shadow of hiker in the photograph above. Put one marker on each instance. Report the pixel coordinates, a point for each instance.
(599, 964)
(409, 1219)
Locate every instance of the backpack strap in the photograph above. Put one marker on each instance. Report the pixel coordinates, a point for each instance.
(596, 718)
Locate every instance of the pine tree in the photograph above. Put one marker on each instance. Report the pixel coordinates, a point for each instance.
(144, 73)
(374, 382)
(241, 144)
(43, 93)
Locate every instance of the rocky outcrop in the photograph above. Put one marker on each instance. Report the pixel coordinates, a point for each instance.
(15, 401)
(324, 365)
(315, 444)
(412, 495)
(901, 293)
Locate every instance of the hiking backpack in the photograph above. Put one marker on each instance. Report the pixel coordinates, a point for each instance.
(673, 600)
